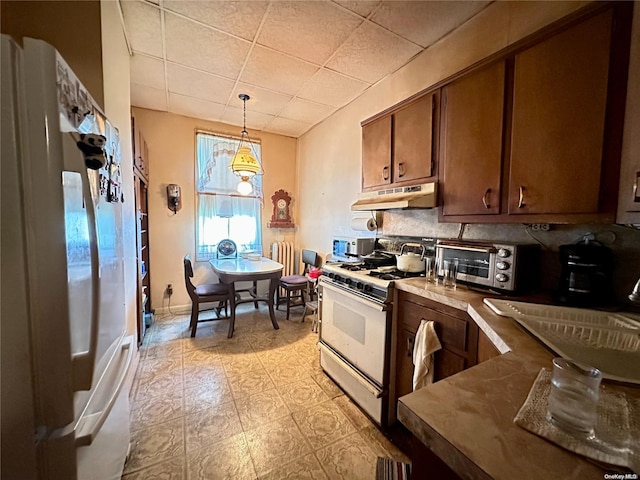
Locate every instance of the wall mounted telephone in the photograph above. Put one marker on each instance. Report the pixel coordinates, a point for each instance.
(174, 201)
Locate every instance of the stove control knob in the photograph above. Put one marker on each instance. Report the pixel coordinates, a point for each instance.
(503, 265)
(359, 285)
(348, 281)
(504, 252)
(502, 277)
(367, 288)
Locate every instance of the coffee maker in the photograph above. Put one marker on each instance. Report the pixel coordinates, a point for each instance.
(585, 279)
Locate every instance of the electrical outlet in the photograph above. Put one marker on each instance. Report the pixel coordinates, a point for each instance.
(169, 290)
(540, 227)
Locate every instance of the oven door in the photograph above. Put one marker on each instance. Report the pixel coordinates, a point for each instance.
(475, 264)
(356, 328)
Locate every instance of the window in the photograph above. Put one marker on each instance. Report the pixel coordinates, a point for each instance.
(221, 212)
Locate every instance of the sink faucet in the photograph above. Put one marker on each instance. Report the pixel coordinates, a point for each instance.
(634, 296)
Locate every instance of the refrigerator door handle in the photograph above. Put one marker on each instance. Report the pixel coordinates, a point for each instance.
(89, 426)
(83, 363)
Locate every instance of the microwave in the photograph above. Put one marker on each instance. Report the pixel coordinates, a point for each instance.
(503, 266)
(350, 248)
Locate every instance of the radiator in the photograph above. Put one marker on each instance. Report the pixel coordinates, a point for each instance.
(282, 252)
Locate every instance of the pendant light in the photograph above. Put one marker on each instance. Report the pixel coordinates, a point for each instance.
(244, 163)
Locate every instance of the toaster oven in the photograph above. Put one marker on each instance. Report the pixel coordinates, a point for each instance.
(504, 266)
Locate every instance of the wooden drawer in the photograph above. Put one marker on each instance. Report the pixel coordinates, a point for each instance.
(452, 331)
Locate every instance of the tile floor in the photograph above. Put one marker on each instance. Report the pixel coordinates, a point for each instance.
(254, 406)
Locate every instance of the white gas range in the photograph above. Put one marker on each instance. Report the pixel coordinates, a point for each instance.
(355, 334)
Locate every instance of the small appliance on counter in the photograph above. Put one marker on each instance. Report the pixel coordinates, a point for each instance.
(504, 267)
(349, 249)
(585, 279)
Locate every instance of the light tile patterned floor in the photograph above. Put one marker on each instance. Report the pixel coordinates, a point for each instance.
(256, 406)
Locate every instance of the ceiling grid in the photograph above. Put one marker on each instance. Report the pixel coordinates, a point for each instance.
(300, 61)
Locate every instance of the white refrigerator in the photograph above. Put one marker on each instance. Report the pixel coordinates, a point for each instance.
(66, 356)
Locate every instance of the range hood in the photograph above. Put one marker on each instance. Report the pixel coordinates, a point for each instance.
(415, 196)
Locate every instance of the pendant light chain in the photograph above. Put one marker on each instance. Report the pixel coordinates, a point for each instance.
(243, 163)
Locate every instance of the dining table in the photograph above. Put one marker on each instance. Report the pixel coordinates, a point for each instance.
(239, 269)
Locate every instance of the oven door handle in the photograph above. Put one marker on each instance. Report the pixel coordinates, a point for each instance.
(354, 296)
(373, 389)
(455, 246)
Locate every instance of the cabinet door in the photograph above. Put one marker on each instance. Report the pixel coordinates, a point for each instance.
(413, 141)
(376, 153)
(446, 363)
(486, 349)
(559, 103)
(471, 149)
(404, 362)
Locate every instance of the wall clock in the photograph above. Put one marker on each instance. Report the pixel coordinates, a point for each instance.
(281, 217)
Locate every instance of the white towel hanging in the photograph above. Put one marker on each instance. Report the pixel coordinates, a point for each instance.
(426, 343)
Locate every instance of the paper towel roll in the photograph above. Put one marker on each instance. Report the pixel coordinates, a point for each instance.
(363, 224)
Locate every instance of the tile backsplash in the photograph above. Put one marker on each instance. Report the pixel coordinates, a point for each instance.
(623, 240)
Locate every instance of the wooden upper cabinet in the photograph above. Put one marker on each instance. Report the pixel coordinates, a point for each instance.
(413, 141)
(376, 153)
(397, 148)
(471, 142)
(558, 122)
(535, 137)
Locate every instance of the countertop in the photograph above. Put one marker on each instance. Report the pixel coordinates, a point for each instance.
(467, 419)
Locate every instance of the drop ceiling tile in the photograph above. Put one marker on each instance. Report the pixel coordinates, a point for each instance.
(309, 30)
(255, 120)
(291, 128)
(371, 53)
(362, 8)
(425, 23)
(332, 88)
(240, 18)
(306, 111)
(194, 83)
(142, 22)
(195, 107)
(194, 45)
(263, 101)
(276, 71)
(148, 97)
(147, 71)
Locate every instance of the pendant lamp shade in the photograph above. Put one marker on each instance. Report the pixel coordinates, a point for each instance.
(244, 163)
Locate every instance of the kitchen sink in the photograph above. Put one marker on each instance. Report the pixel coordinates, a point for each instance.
(609, 341)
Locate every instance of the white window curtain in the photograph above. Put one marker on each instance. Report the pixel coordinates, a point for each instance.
(221, 211)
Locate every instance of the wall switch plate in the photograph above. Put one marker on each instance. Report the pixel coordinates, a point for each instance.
(540, 227)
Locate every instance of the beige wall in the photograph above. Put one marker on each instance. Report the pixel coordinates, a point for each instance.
(329, 156)
(171, 141)
(72, 27)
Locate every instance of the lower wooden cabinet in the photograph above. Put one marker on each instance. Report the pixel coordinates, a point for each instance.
(486, 349)
(463, 343)
(456, 330)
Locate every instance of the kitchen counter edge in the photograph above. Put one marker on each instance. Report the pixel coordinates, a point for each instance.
(467, 419)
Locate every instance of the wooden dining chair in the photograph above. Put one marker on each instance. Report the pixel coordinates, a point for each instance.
(207, 293)
(297, 286)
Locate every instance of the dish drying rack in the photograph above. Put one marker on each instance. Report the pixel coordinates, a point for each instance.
(605, 340)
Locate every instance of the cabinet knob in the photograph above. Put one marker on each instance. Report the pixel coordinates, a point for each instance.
(401, 170)
(385, 173)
